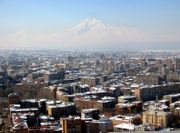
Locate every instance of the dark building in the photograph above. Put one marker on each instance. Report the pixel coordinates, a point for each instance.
(52, 76)
(158, 91)
(90, 113)
(13, 98)
(73, 125)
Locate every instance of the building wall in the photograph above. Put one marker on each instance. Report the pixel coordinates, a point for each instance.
(128, 108)
(158, 119)
(59, 75)
(172, 98)
(92, 81)
(151, 93)
(20, 130)
(176, 116)
(73, 125)
(147, 79)
(58, 111)
(92, 127)
(177, 64)
(13, 98)
(87, 104)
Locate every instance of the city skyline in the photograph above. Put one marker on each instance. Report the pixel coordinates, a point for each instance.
(91, 25)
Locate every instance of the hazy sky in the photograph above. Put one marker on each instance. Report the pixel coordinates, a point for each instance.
(38, 23)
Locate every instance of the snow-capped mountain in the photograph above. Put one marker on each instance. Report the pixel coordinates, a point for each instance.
(88, 25)
(92, 34)
(93, 30)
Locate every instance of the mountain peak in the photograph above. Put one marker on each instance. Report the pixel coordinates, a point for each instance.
(92, 21)
(88, 25)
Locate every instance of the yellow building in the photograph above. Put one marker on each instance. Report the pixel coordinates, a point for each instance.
(159, 119)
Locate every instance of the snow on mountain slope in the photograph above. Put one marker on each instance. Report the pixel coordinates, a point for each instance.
(93, 30)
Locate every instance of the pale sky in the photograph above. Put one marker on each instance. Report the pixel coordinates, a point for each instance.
(112, 24)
